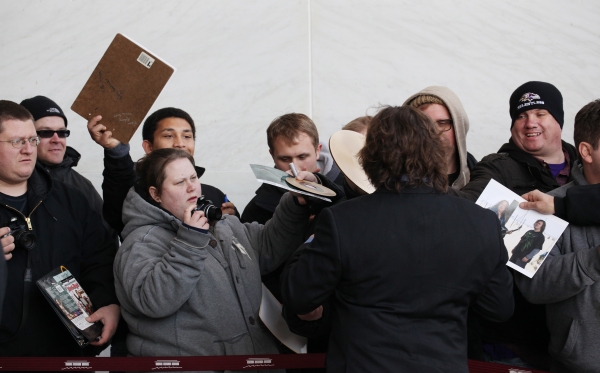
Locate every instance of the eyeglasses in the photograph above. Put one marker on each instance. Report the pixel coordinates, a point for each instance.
(444, 125)
(20, 142)
(46, 134)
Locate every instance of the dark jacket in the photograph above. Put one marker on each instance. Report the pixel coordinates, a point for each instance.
(515, 169)
(580, 205)
(400, 291)
(65, 173)
(520, 172)
(262, 206)
(69, 233)
(119, 177)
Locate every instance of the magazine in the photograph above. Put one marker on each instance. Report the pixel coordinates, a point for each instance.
(71, 304)
(528, 235)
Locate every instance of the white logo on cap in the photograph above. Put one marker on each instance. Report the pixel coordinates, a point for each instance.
(53, 110)
(529, 97)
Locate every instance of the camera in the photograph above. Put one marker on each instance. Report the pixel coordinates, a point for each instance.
(212, 212)
(23, 237)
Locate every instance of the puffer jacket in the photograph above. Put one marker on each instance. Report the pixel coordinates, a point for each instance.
(186, 291)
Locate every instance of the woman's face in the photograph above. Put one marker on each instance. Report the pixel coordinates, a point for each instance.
(180, 189)
(502, 206)
(537, 226)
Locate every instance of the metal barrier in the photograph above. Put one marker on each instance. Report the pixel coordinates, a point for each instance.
(198, 363)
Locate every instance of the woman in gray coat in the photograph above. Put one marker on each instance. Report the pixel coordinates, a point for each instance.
(188, 286)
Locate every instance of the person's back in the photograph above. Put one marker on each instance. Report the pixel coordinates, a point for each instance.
(409, 287)
(403, 264)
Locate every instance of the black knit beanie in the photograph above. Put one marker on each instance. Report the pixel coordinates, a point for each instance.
(537, 95)
(40, 107)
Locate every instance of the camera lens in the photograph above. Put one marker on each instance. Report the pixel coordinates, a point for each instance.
(25, 239)
(213, 213)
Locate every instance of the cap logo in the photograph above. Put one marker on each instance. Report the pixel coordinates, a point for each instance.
(53, 110)
(529, 97)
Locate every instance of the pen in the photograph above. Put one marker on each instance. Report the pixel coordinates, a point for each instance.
(293, 168)
(226, 199)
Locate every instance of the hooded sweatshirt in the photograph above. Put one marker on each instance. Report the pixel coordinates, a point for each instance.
(460, 128)
(188, 292)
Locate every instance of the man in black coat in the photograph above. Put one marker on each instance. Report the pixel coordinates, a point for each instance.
(53, 153)
(68, 233)
(535, 157)
(165, 128)
(403, 264)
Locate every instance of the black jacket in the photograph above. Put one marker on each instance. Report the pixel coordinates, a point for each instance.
(119, 177)
(65, 173)
(262, 206)
(581, 205)
(515, 169)
(401, 279)
(69, 233)
(520, 172)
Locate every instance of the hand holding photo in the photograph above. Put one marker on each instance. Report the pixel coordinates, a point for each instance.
(528, 235)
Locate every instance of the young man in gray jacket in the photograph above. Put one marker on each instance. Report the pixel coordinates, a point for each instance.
(567, 282)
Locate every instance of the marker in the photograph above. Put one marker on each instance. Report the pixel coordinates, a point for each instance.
(293, 168)
(226, 199)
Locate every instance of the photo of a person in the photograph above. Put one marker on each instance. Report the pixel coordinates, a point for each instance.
(529, 245)
(500, 210)
(504, 210)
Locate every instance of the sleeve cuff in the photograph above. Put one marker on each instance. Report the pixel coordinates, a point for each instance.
(204, 231)
(560, 208)
(118, 151)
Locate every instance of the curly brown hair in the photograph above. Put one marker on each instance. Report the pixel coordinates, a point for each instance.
(403, 150)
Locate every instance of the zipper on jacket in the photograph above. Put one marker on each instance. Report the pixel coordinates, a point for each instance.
(26, 218)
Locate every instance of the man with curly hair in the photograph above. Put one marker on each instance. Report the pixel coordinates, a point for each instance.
(401, 266)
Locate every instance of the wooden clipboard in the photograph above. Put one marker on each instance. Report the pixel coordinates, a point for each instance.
(123, 87)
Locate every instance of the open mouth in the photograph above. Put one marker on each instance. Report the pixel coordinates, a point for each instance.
(533, 134)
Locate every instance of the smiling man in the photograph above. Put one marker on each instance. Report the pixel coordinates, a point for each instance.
(535, 157)
(53, 154)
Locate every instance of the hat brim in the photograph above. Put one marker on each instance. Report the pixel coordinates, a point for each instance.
(344, 146)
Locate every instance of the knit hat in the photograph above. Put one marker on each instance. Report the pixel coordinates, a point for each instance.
(425, 99)
(40, 107)
(537, 95)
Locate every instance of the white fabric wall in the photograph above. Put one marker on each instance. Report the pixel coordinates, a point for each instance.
(242, 63)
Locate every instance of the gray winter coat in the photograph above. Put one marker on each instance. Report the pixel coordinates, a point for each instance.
(184, 292)
(568, 282)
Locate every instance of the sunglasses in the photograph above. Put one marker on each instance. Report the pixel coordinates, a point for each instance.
(46, 134)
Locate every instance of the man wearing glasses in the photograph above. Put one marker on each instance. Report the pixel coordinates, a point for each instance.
(446, 110)
(68, 233)
(53, 153)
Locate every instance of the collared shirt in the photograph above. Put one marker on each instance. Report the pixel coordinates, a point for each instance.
(563, 176)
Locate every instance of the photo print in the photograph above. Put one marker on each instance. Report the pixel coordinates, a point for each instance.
(528, 235)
